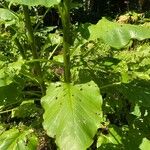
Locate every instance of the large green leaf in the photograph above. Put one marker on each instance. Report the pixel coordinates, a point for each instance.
(72, 114)
(15, 139)
(47, 3)
(117, 35)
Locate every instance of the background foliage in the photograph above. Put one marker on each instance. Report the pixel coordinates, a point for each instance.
(106, 105)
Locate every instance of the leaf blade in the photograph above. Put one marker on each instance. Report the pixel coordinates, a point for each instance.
(46, 3)
(71, 114)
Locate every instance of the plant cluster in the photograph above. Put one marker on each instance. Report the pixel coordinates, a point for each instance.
(74, 87)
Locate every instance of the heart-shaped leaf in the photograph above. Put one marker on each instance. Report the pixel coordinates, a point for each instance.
(72, 114)
(117, 35)
(47, 3)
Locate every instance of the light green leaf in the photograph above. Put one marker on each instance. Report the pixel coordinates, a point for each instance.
(47, 3)
(58, 58)
(15, 139)
(145, 144)
(8, 72)
(136, 111)
(117, 35)
(72, 114)
(6, 15)
(113, 137)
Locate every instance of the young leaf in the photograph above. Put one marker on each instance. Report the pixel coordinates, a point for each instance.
(72, 114)
(15, 139)
(117, 35)
(47, 3)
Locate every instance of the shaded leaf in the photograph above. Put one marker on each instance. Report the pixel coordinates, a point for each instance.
(26, 109)
(137, 92)
(10, 94)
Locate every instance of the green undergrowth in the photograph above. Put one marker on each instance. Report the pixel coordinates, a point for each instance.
(74, 87)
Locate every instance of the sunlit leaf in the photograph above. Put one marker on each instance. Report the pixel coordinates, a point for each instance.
(145, 145)
(72, 114)
(47, 3)
(15, 139)
(6, 15)
(117, 35)
(8, 72)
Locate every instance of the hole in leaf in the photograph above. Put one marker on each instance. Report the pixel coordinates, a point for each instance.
(81, 89)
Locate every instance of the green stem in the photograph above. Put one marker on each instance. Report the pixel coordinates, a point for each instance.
(31, 38)
(110, 85)
(30, 32)
(64, 10)
(6, 111)
(20, 48)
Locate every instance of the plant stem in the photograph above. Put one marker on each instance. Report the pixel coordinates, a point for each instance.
(110, 85)
(30, 32)
(64, 10)
(6, 111)
(31, 38)
(20, 48)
